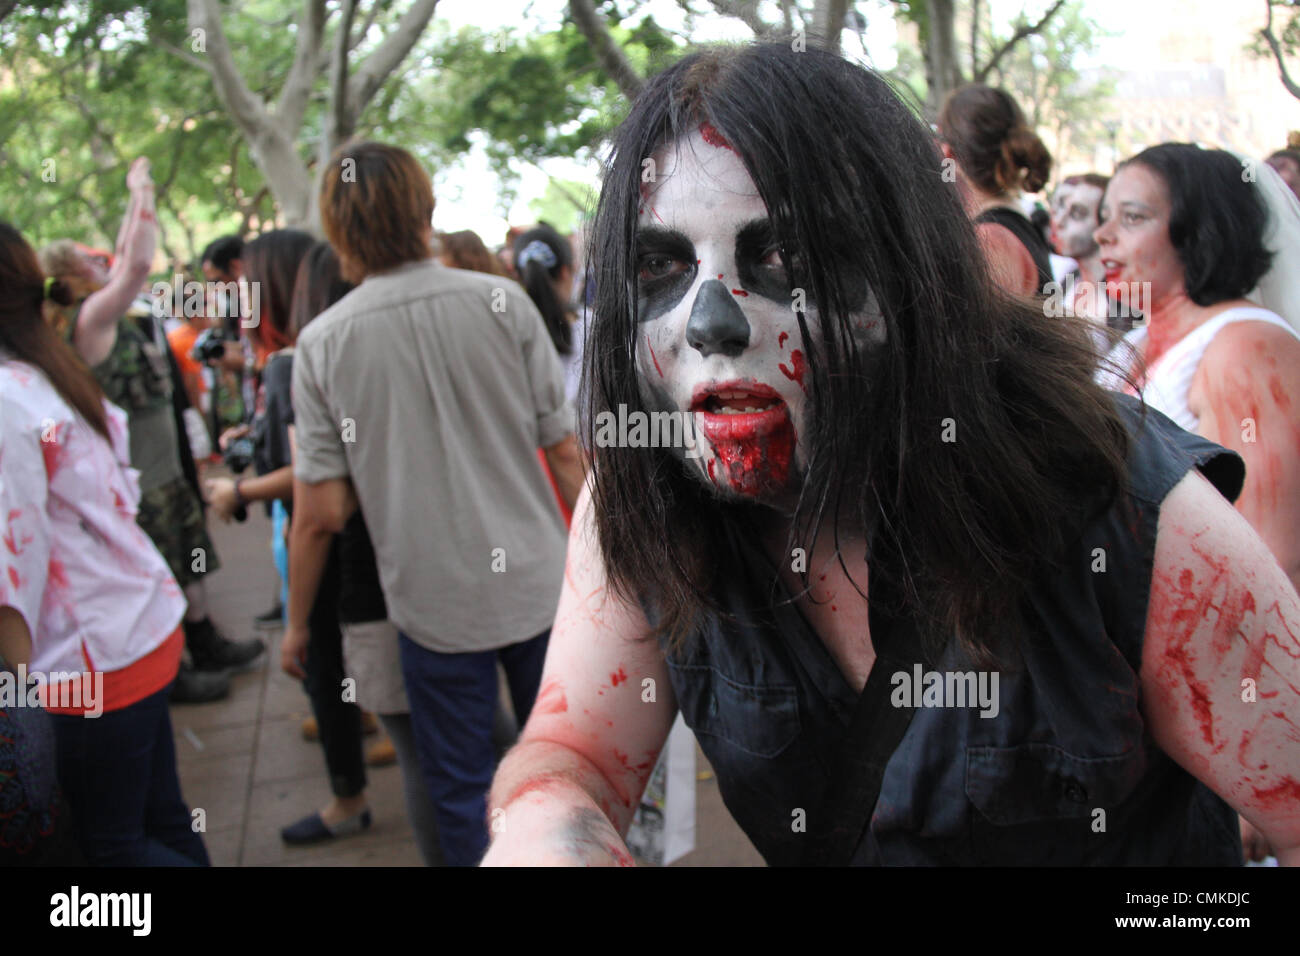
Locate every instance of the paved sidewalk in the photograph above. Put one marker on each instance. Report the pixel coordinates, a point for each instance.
(244, 763)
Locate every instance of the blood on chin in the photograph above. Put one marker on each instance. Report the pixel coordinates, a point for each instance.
(753, 463)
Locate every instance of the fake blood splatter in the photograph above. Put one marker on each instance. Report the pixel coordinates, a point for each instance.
(711, 136)
(13, 577)
(1286, 792)
(58, 575)
(743, 293)
(617, 677)
(653, 358)
(1279, 394)
(712, 476)
(758, 464)
(795, 374)
(50, 452)
(551, 699)
(1190, 605)
(780, 339)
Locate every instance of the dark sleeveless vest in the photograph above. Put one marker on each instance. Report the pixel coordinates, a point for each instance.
(770, 709)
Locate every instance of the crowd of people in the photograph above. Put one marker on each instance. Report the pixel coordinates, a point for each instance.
(883, 400)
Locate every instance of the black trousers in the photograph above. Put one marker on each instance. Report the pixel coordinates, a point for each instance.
(339, 721)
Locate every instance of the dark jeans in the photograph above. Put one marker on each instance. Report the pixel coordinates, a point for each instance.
(118, 774)
(453, 699)
(339, 721)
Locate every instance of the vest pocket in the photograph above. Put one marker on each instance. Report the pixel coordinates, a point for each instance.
(1037, 782)
(759, 720)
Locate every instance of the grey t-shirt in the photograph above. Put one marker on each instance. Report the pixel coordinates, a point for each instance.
(434, 403)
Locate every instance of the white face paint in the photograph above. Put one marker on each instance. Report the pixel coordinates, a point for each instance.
(1060, 203)
(719, 338)
(1080, 221)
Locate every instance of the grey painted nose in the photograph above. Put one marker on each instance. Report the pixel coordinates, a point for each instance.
(717, 323)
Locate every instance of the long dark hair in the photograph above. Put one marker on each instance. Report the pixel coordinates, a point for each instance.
(272, 260)
(537, 274)
(854, 187)
(318, 286)
(28, 337)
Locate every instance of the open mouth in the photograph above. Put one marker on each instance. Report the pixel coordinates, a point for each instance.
(736, 411)
(752, 434)
(1112, 269)
(738, 402)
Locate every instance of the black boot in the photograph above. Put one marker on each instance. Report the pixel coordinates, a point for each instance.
(271, 618)
(213, 652)
(199, 687)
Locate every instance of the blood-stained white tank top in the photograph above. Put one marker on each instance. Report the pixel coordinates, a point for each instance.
(1169, 380)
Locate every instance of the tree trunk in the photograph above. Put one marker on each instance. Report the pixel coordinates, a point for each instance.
(944, 73)
(828, 22)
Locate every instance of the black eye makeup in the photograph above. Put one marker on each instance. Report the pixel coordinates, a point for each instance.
(665, 270)
(758, 262)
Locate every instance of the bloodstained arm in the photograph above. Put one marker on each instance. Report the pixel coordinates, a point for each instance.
(1244, 392)
(567, 791)
(1221, 662)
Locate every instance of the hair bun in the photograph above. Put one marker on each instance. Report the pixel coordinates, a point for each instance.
(58, 291)
(1025, 162)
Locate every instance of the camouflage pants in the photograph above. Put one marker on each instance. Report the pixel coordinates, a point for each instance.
(171, 515)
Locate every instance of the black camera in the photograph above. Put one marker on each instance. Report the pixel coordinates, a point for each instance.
(238, 454)
(210, 346)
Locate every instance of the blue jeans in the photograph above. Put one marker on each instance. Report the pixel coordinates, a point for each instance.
(118, 774)
(453, 700)
(280, 553)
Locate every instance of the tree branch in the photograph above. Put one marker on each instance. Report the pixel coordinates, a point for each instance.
(787, 18)
(745, 11)
(375, 68)
(339, 119)
(305, 69)
(1022, 31)
(1271, 39)
(270, 139)
(246, 110)
(185, 55)
(365, 27)
(608, 52)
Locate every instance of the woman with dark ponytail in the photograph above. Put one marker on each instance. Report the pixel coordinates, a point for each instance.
(996, 157)
(89, 610)
(544, 261)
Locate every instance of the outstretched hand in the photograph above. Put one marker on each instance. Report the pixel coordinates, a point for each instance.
(139, 176)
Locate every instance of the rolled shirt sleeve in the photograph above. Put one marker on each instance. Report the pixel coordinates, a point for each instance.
(319, 454)
(555, 420)
(24, 521)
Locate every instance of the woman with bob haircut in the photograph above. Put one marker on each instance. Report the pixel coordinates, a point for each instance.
(1184, 221)
(910, 567)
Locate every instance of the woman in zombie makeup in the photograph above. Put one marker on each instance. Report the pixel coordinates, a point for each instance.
(780, 263)
(1185, 222)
